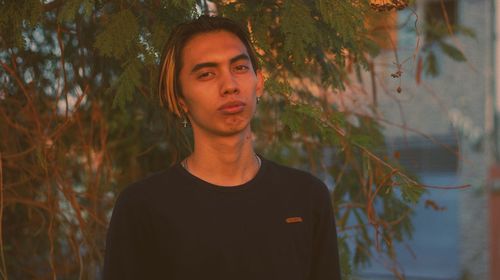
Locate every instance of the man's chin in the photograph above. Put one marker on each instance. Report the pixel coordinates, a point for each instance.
(226, 131)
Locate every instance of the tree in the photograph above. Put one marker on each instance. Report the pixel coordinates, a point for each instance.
(79, 119)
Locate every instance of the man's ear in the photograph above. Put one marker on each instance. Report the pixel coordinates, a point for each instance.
(182, 104)
(259, 90)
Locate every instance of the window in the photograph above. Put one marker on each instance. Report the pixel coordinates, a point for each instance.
(422, 156)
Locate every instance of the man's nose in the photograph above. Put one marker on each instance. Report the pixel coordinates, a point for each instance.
(229, 84)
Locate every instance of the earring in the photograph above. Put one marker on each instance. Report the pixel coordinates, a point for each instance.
(258, 99)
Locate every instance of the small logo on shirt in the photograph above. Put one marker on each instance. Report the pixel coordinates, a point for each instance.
(292, 220)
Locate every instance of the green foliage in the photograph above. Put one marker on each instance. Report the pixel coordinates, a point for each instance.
(452, 52)
(368, 134)
(119, 35)
(14, 17)
(260, 33)
(299, 30)
(297, 115)
(431, 65)
(159, 35)
(437, 36)
(344, 17)
(126, 84)
(345, 264)
(179, 3)
(465, 31)
(71, 9)
(411, 193)
(74, 136)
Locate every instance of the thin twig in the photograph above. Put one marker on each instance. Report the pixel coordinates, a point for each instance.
(2, 255)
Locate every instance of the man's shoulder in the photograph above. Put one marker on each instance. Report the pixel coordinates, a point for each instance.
(151, 185)
(298, 185)
(295, 176)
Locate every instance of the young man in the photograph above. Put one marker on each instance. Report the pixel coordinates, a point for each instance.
(224, 212)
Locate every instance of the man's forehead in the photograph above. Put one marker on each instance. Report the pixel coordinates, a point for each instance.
(215, 45)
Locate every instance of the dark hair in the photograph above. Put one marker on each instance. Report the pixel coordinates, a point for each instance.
(171, 61)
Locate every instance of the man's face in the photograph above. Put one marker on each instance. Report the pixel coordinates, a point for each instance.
(219, 84)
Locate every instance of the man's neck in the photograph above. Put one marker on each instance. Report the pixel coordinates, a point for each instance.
(224, 161)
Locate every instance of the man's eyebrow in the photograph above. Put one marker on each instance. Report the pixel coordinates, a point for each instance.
(199, 66)
(203, 65)
(242, 56)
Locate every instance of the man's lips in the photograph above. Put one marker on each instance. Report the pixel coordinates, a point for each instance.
(232, 107)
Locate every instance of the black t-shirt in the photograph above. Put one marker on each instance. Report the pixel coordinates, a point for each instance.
(173, 225)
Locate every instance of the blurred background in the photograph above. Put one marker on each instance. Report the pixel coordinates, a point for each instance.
(394, 103)
(445, 128)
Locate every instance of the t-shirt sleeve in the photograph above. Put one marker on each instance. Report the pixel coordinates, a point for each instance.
(128, 240)
(325, 258)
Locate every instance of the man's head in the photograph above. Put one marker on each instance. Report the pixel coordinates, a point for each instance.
(170, 89)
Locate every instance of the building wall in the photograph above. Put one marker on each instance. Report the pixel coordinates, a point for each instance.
(455, 104)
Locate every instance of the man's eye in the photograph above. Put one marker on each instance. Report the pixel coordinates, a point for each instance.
(205, 75)
(241, 68)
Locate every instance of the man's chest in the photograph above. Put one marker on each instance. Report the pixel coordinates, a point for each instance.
(226, 235)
